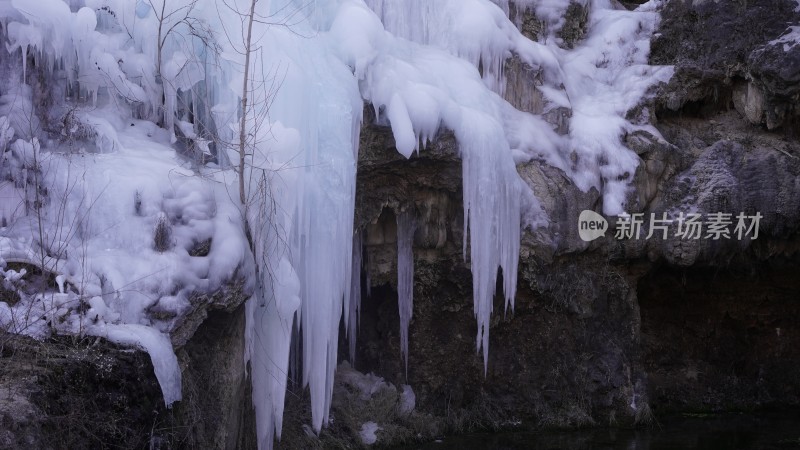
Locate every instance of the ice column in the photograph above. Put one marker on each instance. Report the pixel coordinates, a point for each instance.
(405, 277)
(352, 320)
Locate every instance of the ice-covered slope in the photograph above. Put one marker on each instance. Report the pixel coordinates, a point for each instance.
(117, 228)
(123, 210)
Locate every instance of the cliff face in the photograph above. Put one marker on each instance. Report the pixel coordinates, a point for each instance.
(611, 331)
(71, 393)
(607, 332)
(561, 353)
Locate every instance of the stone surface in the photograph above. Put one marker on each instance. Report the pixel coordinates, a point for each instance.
(227, 299)
(603, 333)
(70, 393)
(575, 22)
(550, 362)
(217, 410)
(606, 333)
(722, 53)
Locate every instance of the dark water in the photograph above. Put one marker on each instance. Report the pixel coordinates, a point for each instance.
(717, 432)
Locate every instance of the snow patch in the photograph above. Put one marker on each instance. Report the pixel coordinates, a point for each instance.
(366, 384)
(368, 433)
(605, 77)
(408, 400)
(790, 38)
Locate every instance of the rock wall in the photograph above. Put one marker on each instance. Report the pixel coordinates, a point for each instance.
(72, 393)
(725, 55)
(560, 358)
(604, 333)
(609, 332)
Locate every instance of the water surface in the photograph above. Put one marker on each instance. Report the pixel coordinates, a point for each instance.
(687, 431)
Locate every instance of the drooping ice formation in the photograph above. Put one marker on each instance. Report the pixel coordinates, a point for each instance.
(406, 226)
(304, 198)
(353, 317)
(604, 77)
(155, 343)
(477, 31)
(406, 81)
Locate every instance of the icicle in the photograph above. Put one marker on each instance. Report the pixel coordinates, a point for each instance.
(355, 297)
(491, 217)
(405, 277)
(269, 329)
(311, 145)
(294, 354)
(418, 99)
(367, 278)
(475, 30)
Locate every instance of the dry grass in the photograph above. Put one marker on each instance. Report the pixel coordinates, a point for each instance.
(78, 393)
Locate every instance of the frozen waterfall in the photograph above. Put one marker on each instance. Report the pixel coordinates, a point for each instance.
(144, 77)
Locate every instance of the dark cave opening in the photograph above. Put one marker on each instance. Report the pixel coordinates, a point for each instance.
(721, 339)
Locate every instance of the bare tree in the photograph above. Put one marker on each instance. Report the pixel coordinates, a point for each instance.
(248, 49)
(258, 88)
(179, 26)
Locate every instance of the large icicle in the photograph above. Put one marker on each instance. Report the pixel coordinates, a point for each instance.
(492, 192)
(269, 328)
(405, 277)
(271, 311)
(353, 318)
(309, 153)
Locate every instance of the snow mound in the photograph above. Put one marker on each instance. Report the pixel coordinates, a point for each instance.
(368, 433)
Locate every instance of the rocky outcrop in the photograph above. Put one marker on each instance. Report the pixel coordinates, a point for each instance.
(85, 393)
(73, 393)
(726, 54)
(216, 411)
(612, 331)
(559, 359)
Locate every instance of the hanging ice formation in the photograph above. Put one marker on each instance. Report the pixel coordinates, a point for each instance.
(309, 154)
(418, 68)
(405, 277)
(316, 117)
(352, 319)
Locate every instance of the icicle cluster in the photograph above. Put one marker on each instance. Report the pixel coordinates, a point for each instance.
(477, 31)
(304, 185)
(405, 81)
(406, 226)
